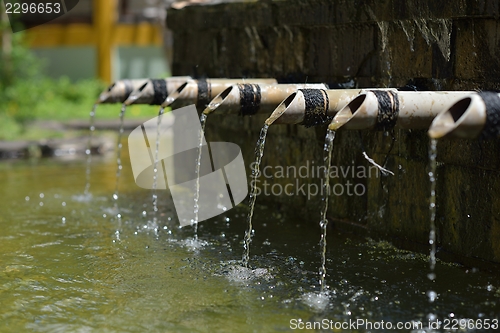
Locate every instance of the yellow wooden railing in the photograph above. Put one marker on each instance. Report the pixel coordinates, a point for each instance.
(104, 33)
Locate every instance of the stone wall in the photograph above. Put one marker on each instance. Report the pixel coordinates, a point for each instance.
(430, 45)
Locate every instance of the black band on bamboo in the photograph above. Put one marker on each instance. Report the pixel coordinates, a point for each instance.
(492, 126)
(250, 97)
(316, 107)
(203, 93)
(388, 110)
(159, 91)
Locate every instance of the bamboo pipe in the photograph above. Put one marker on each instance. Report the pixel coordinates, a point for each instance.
(119, 91)
(386, 109)
(475, 116)
(249, 98)
(154, 91)
(311, 107)
(201, 92)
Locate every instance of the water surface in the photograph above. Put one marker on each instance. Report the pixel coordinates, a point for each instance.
(67, 264)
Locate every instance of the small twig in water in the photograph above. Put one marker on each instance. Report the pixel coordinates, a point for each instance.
(383, 170)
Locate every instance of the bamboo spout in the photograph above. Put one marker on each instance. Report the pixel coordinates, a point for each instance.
(154, 91)
(388, 109)
(201, 92)
(477, 115)
(311, 107)
(119, 91)
(249, 98)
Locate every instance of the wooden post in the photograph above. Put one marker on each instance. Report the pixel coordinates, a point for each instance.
(104, 18)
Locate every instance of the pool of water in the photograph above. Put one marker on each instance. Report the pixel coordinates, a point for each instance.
(68, 264)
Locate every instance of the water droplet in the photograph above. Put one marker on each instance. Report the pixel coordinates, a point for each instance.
(115, 196)
(42, 195)
(63, 219)
(63, 204)
(144, 213)
(104, 215)
(119, 215)
(41, 203)
(432, 295)
(27, 198)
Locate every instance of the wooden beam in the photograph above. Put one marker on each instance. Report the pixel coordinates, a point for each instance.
(81, 34)
(53, 35)
(104, 18)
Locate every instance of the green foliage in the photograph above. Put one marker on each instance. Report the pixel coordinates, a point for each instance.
(27, 95)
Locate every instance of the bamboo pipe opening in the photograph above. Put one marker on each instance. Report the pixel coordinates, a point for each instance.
(467, 118)
(174, 95)
(284, 106)
(218, 100)
(354, 108)
(136, 94)
(346, 114)
(104, 95)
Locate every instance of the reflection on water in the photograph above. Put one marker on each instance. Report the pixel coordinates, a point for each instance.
(68, 264)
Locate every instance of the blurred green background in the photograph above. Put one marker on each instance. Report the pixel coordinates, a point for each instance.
(27, 95)
(53, 72)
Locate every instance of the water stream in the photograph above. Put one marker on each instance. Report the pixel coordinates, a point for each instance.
(201, 135)
(119, 165)
(327, 158)
(155, 168)
(155, 162)
(259, 152)
(432, 212)
(88, 151)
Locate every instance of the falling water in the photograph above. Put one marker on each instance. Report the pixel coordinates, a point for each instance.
(259, 152)
(432, 210)
(155, 164)
(118, 155)
(327, 158)
(203, 120)
(88, 151)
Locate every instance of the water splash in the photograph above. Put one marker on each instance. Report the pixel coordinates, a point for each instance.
(203, 120)
(327, 159)
(118, 156)
(259, 152)
(432, 210)
(316, 301)
(88, 151)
